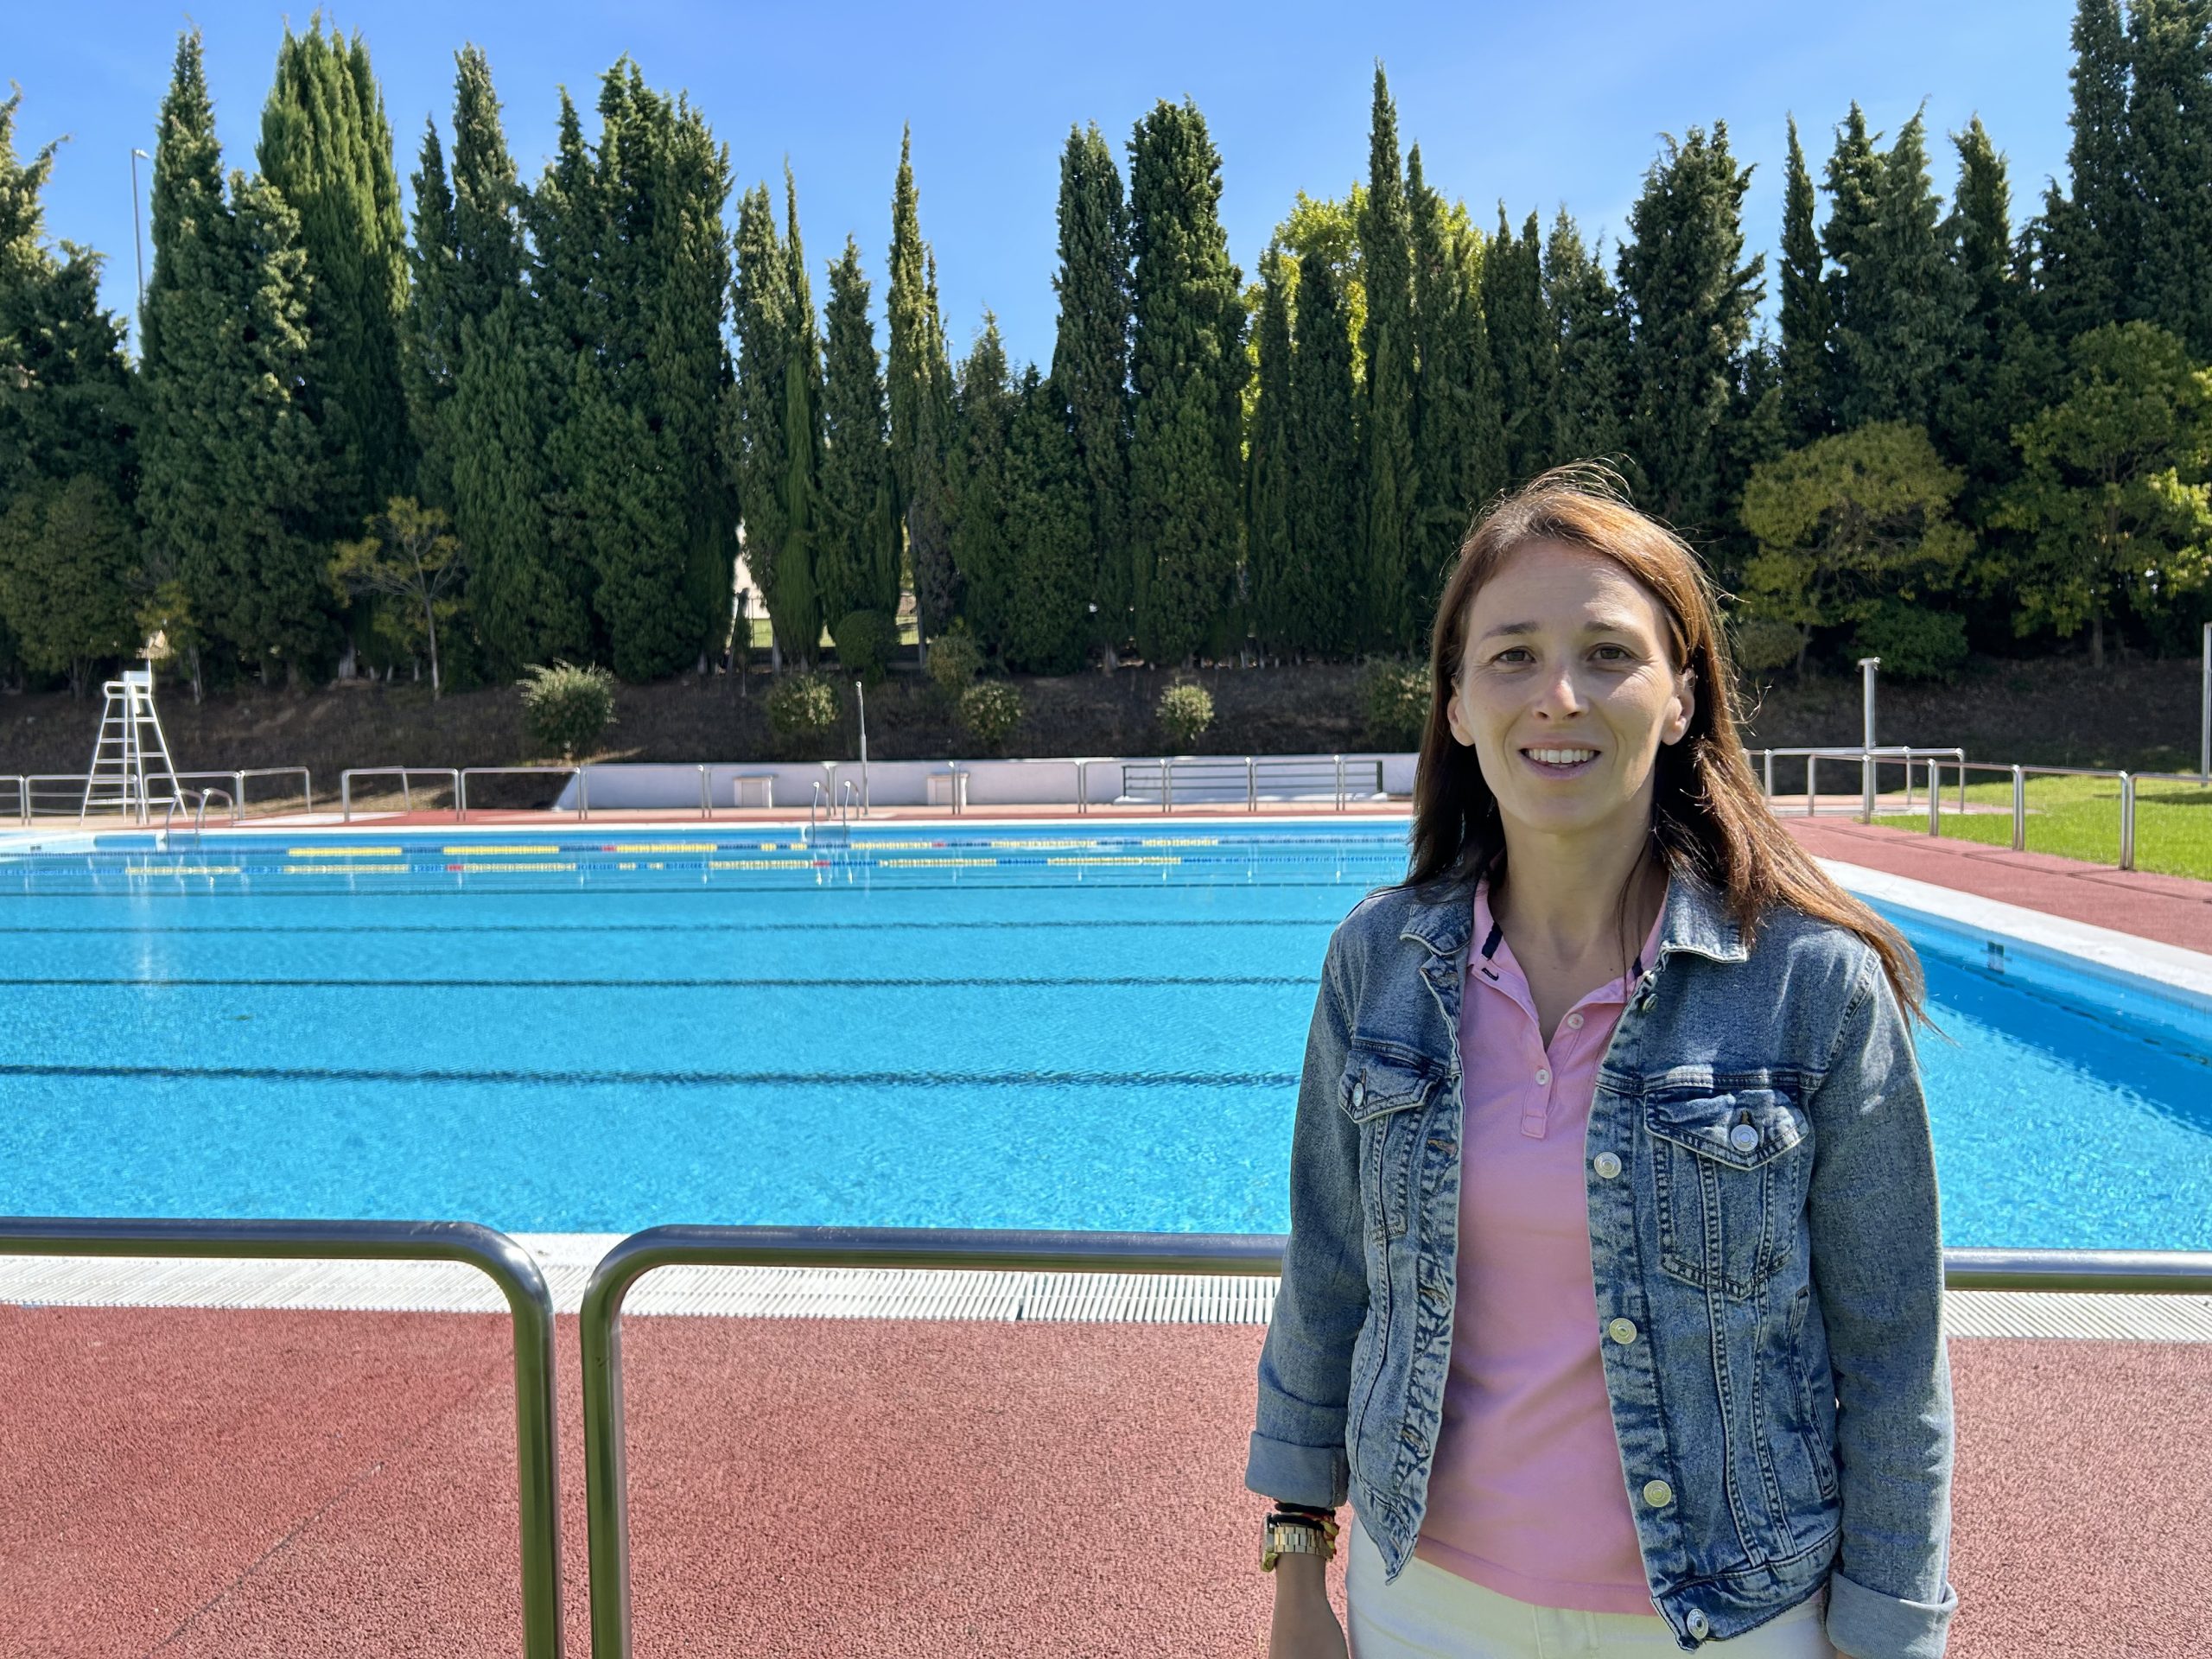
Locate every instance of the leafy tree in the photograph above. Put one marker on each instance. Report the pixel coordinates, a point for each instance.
(982, 545)
(857, 553)
(990, 710)
(1048, 525)
(1317, 609)
(1459, 438)
(1188, 367)
(2113, 493)
(1804, 318)
(567, 707)
(327, 146)
(1689, 294)
(1590, 413)
(409, 555)
(1389, 490)
(231, 463)
(1090, 362)
(1524, 340)
(1847, 522)
(69, 555)
(1185, 711)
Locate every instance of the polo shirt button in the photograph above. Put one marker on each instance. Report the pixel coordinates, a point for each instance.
(1607, 1165)
(1543, 1074)
(1622, 1330)
(1574, 1022)
(1700, 1625)
(1658, 1494)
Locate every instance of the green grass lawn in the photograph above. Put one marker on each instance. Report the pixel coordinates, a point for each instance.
(2079, 817)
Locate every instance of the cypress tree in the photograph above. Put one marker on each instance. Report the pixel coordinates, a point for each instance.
(1690, 302)
(778, 436)
(1317, 608)
(1090, 360)
(1188, 367)
(918, 387)
(1986, 391)
(982, 536)
(1523, 341)
(326, 145)
(231, 464)
(857, 554)
(932, 511)
(1806, 342)
(1590, 408)
(2169, 141)
(1267, 458)
(1899, 327)
(1049, 527)
(1854, 187)
(431, 361)
(2089, 245)
(1390, 489)
(1459, 440)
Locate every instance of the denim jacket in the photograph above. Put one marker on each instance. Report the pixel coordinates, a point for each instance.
(1761, 1209)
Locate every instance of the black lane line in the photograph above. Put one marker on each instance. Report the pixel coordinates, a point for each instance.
(677, 1079)
(934, 926)
(1046, 982)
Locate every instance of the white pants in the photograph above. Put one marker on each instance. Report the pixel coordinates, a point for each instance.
(1432, 1614)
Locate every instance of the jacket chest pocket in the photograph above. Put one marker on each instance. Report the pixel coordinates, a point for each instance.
(1386, 1094)
(1730, 1172)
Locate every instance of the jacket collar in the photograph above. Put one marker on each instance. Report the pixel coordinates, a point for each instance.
(1696, 919)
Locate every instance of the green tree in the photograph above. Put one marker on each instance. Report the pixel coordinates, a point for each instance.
(1848, 523)
(1900, 328)
(918, 390)
(1090, 362)
(68, 559)
(327, 146)
(1390, 492)
(1459, 438)
(409, 555)
(1854, 179)
(982, 539)
(1524, 340)
(2089, 234)
(1267, 457)
(231, 461)
(1049, 524)
(2111, 497)
(1689, 294)
(1317, 609)
(857, 554)
(1590, 408)
(1806, 342)
(1188, 369)
(2169, 146)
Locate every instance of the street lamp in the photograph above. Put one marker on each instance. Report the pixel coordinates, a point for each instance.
(138, 240)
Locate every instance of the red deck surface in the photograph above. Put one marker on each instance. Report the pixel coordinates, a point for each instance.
(250, 1484)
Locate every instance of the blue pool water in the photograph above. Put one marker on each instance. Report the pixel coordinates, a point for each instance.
(1000, 1027)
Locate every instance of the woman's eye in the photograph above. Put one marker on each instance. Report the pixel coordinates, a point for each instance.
(1515, 655)
(1612, 654)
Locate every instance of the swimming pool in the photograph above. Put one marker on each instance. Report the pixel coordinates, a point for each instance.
(990, 1027)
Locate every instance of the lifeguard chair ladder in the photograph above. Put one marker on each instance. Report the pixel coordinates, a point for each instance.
(130, 769)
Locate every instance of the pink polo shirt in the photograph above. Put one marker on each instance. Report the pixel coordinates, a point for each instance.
(1527, 1495)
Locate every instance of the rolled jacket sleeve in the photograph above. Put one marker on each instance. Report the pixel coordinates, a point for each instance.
(1878, 1267)
(1298, 1440)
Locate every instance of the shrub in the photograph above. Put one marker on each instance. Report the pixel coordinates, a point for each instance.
(954, 660)
(566, 707)
(1914, 642)
(1185, 712)
(1393, 702)
(990, 711)
(1759, 645)
(866, 640)
(802, 711)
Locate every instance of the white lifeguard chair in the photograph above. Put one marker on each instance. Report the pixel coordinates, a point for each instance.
(130, 771)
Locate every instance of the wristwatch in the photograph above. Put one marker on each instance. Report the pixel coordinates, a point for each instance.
(1280, 1537)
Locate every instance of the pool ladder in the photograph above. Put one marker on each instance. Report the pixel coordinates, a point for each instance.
(829, 818)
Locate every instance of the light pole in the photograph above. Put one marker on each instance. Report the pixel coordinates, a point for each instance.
(1867, 667)
(861, 691)
(2204, 717)
(139, 241)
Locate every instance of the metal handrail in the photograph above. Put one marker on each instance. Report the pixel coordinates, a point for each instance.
(460, 784)
(307, 783)
(199, 816)
(496, 1256)
(1252, 1255)
(406, 791)
(22, 795)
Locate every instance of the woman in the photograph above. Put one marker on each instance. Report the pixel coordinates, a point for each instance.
(1612, 1295)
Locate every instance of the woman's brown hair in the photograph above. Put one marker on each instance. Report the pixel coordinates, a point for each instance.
(1709, 816)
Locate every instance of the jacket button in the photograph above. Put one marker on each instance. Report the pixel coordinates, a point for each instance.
(1359, 1093)
(1658, 1494)
(1622, 1330)
(1700, 1625)
(1607, 1165)
(1743, 1138)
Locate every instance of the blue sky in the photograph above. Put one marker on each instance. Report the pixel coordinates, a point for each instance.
(1540, 106)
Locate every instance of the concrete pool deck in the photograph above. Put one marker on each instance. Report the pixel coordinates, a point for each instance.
(197, 1481)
